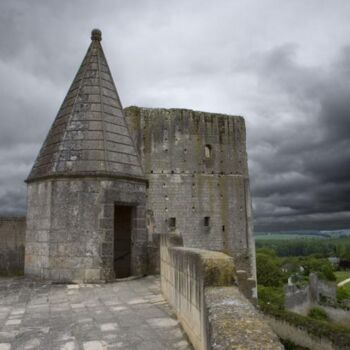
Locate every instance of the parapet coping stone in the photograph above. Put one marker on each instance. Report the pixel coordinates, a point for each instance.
(205, 114)
(234, 323)
(217, 268)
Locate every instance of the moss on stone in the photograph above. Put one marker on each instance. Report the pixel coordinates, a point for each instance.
(218, 270)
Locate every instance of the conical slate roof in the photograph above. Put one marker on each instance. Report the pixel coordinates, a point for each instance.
(89, 135)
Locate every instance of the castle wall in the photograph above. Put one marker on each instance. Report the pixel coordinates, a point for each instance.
(12, 232)
(321, 289)
(70, 228)
(200, 286)
(196, 165)
(297, 299)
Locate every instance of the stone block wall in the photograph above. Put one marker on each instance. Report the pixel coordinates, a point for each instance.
(321, 288)
(297, 299)
(300, 300)
(70, 228)
(12, 236)
(199, 285)
(196, 164)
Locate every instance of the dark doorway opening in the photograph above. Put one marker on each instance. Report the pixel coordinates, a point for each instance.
(122, 241)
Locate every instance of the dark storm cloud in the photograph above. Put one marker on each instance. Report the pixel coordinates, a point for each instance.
(285, 66)
(308, 170)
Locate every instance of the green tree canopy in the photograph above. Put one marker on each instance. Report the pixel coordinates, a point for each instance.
(268, 270)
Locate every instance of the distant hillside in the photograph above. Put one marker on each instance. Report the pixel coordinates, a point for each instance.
(303, 234)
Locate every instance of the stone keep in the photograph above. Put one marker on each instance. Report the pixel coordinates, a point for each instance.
(86, 190)
(196, 164)
(177, 170)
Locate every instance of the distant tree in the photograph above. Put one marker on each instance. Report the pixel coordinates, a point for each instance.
(327, 273)
(268, 270)
(322, 267)
(322, 247)
(343, 249)
(267, 251)
(271, 296)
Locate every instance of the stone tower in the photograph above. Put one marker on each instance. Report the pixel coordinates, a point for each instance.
(86, 190)
(196, 164)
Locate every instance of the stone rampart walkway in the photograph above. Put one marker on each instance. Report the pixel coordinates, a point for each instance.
(121, 315)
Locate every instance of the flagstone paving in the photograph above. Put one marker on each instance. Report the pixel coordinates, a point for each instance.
(121, 315)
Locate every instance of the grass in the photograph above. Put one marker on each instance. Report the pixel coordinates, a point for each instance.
(341, 276)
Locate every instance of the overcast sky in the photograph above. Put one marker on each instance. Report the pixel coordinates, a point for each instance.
(283, 65)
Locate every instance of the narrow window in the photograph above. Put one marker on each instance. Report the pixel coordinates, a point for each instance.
(223, 228)
(172, 223)
(206, 221)
(207, 151)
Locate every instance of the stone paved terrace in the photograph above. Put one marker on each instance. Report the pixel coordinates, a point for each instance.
(122, 315)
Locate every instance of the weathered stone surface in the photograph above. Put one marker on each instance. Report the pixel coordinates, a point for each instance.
(199, 285)
(123, 315)
(69, 238)
(198, 185)
(12, 236)
(89, 134)
(233, 323)
(186, 184)
(87, 164)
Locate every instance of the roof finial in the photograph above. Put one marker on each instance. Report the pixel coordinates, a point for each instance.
(96, 34)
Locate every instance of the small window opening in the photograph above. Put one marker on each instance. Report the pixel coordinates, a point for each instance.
(207, 151)
(172, 223)
(223, 228)
(206, 221)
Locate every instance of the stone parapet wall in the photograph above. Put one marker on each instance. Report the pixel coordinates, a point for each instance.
(12, 235)
(200, 286)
